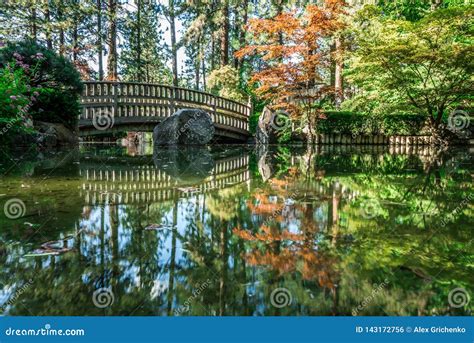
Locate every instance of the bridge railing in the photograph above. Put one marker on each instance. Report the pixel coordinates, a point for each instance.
(132, 99)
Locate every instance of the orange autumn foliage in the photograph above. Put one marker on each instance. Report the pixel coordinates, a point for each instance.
(278, 248)
(291, 47)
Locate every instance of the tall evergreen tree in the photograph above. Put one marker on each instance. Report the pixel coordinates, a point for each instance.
(142, 58)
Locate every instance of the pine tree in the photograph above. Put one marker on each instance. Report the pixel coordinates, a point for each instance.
(141, 58)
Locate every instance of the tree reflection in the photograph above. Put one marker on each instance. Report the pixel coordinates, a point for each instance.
(223, 249)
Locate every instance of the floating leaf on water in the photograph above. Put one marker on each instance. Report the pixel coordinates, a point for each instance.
(41, 252)
(158, 227)
(48, 252)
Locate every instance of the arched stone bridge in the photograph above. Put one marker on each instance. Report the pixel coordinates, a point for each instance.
(109, 107)
(122, 184)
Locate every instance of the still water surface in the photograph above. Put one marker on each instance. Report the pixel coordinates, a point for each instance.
(237, 231)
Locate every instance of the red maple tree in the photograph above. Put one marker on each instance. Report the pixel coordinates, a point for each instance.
(294, 51)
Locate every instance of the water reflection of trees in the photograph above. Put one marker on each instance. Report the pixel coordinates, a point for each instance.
(302, 229)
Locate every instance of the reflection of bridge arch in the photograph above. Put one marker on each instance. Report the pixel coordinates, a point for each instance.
(146, 183)
(140, 106)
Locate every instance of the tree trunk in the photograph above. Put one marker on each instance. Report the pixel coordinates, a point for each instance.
(75, 39)
(197, 66)
(34, 27)
(225, 34)
(62, 48)
(440, 134)
(338, 82)
(139, 38)
(279, 10)
(213, 39)
(242, 30)
(112, 74)
(204, 85)
(174, 51)
(99, 40)
(49, 41)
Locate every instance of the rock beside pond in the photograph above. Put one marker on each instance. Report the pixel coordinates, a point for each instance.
(185, 127)
(271, 125)
(54, 134)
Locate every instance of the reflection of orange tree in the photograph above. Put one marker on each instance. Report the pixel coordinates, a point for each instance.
(285, 251)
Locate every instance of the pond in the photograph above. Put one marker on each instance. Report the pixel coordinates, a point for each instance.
(237, 230)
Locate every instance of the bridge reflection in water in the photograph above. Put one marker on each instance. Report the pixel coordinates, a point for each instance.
(325, 224)
(144, 182)
(148, 183)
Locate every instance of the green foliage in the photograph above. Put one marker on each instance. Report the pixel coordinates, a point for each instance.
(414, 10)
(411, 10)
(142, 58)
(15, 101)
(13, 87)
(344, 122)
(423, 67)
(51, 105)
(225, 82)
(54, 71)
(57, 78)
(253, 122)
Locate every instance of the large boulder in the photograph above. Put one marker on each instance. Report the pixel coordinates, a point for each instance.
(271, 125)
(54, 134)
(185, 127)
